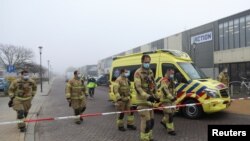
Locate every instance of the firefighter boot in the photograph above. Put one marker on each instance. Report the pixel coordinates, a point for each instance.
(131, 127)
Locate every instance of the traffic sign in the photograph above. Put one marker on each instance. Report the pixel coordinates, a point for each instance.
(11, 68)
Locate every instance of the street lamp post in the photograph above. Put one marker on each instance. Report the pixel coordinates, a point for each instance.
(51, 71)
(48, 72)
(41, 79)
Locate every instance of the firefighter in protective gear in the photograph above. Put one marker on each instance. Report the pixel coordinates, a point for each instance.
(123, 102)
(76, 96)
(168, 97)
(21, 92)
(223, 77)
(146, 89)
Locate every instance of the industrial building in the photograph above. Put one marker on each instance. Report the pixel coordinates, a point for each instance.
(212, 46)
(89, 70)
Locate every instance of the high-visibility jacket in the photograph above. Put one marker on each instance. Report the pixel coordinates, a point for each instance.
(91, 85)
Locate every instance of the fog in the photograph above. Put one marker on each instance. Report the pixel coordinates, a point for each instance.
(81, 32)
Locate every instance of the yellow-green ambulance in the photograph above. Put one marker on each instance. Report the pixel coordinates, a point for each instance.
(192, 85)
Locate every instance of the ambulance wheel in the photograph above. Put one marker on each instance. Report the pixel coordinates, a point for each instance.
(192, 112)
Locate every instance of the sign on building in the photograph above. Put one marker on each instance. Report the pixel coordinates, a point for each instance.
(201, 38)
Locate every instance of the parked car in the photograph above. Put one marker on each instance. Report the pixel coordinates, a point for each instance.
(4, 85)
(95, 77)
(103, 80)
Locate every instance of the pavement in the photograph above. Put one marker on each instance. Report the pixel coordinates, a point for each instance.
(10, 132)
(103, 128)
(52, 103)
(239, 106)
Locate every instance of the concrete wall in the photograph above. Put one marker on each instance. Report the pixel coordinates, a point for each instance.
(173, 42)
(146, 48)
(232, 55)
(129, 52)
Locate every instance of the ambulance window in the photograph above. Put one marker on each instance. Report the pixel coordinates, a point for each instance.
(131, 70)
(153, 68)
(115, 73)
(192, 71)
(178, 76)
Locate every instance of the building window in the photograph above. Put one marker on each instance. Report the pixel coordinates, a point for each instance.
(234, 70)
(221, 35)
(242, 32)
(231, 34)
(236, 33)
(222, 67)
(226, 35)
(242, 70)
(248, 70)
(248, 30)
(131, 70)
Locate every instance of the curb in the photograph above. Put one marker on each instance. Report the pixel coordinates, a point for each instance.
(29, 135)
(48, 90)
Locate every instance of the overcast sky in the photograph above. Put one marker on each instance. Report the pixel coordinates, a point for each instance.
(81, 32)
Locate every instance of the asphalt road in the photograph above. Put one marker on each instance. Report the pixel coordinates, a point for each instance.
(103, 128)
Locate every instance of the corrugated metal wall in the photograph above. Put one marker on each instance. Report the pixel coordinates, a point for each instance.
(202, 55)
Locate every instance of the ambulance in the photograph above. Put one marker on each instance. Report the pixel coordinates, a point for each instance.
(191, 84)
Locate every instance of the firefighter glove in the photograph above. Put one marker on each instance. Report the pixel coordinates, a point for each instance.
(174, 99)
(151, 99)
(157, 100)
(69, 101)
(10, 104)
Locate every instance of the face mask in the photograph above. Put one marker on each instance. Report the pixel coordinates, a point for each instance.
(123, 74)
(127, 74)
(146, 65)
(79, 76)
(26, 77)
(171, 76)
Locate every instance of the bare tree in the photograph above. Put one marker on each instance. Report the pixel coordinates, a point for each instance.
(34, 68)
(15, 55)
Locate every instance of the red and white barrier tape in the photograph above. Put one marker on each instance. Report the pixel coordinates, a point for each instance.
(92, 115)
(246, 98)
(103, 114)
